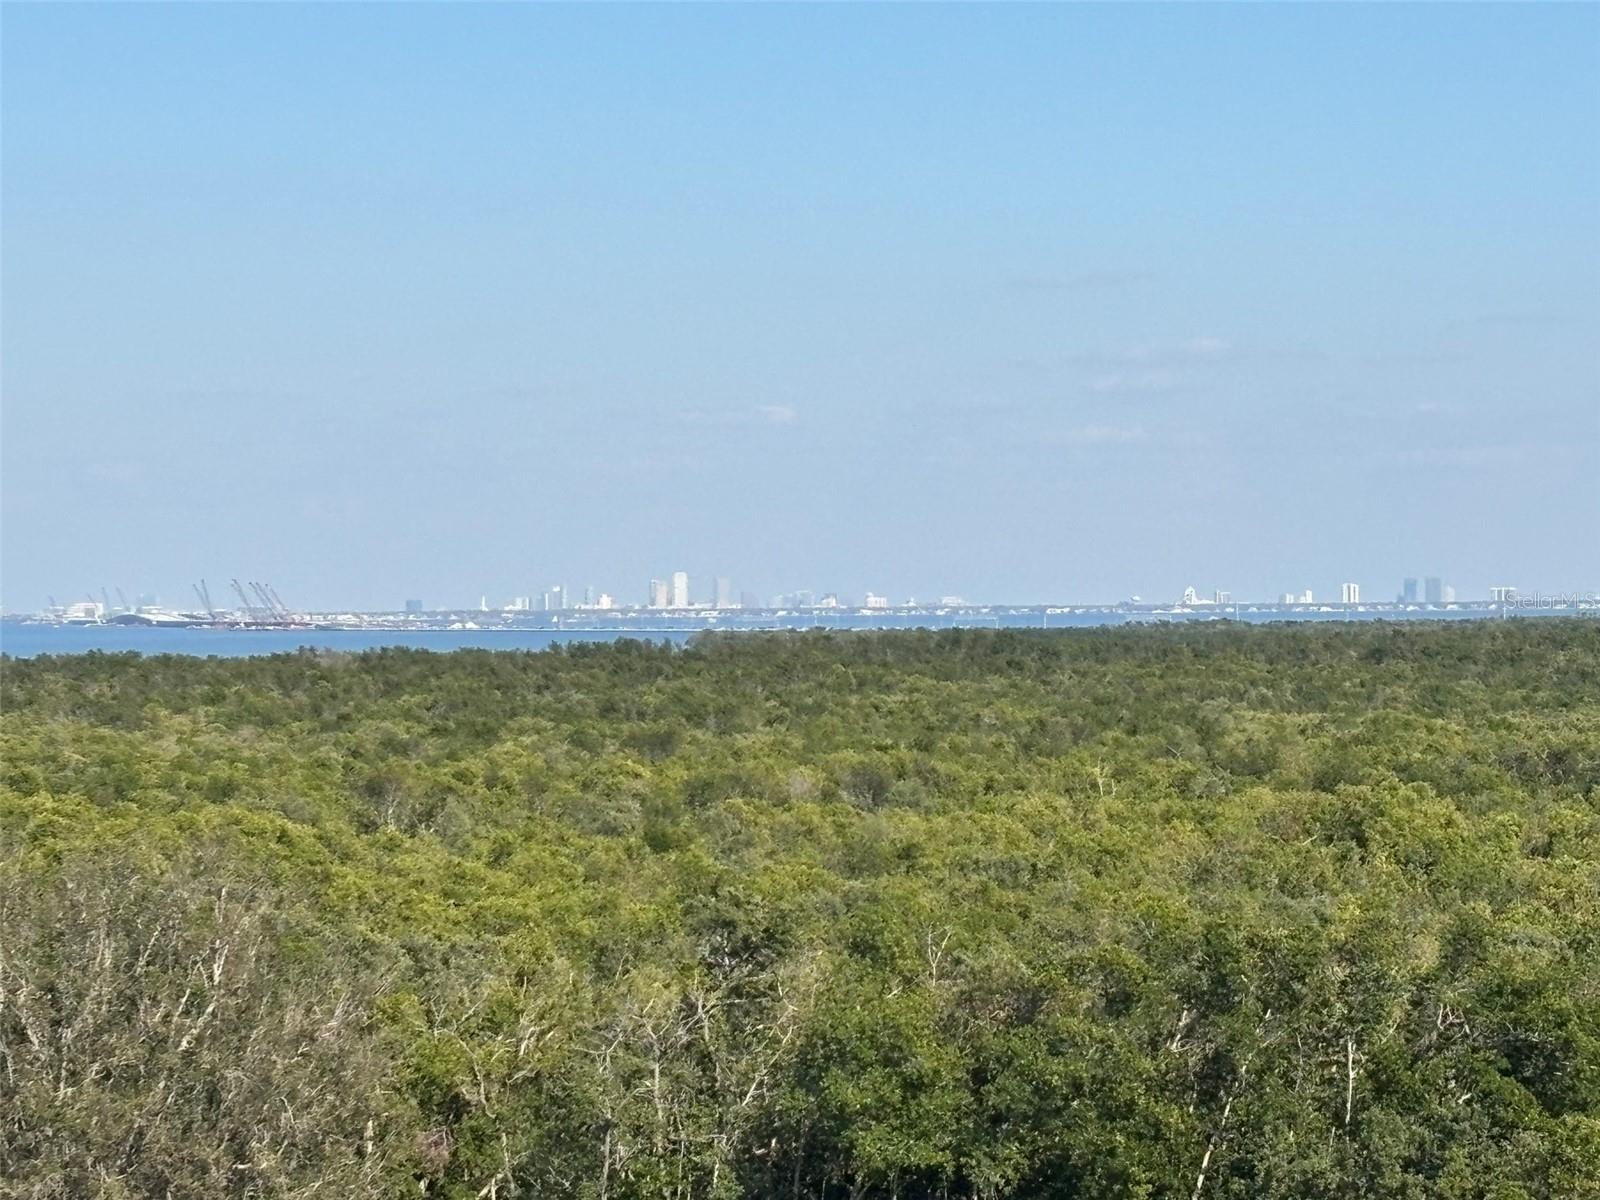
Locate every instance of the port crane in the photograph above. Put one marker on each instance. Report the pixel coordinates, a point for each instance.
(268, 597)
(247, 609)
(261, 595)
(203, 594)
(282, 607)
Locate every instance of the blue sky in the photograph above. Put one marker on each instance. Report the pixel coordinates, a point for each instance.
(1020, 303)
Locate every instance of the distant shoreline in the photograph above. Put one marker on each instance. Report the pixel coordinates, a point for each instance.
(22, 638)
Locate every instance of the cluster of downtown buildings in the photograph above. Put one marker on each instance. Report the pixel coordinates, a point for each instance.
(1434, 592)
(674, 593)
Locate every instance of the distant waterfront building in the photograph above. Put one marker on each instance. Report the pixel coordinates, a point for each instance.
(413, 607)
(1306, 597)
(1502, 595)
(876, 601)
(680, 589)
(1433, 590)
(588, 596)
(1190, 596)
(722, 593)
(952, 602)
(659, 597)
(1350, 593)
(1408, 591)
(604, 601)
(1447, 594)
(1286, 598)
(829, 600)
(1221, 597)
(749, 600)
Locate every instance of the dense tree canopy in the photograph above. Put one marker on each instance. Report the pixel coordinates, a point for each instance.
(1176, 912)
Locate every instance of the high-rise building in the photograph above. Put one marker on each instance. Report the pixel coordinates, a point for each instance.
(588, 596)
(1447, 594)
(1350, 593)
(1221, 597)
(680, 589)
(413, 607)
(875, 601)
(1408, 592)
(722, 593)
(1433, 590)
(659, 597)
(1306, 597)
(1286, 598)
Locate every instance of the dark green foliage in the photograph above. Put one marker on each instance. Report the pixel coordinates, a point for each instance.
(1271, 912)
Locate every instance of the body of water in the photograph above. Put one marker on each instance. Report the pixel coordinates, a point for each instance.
(27, 641)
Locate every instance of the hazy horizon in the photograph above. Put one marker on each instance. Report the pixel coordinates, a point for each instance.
(1016, 303)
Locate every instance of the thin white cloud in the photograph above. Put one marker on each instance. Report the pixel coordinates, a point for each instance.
(1192, 351)
(1146, 381)
(1098, 435)
(1082, 281)
(1207, 347)
(727, 418)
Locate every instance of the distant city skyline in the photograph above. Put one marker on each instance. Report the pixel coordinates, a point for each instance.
(682, 590)
(1013, 302)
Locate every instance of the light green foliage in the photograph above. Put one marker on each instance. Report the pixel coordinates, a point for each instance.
(1274, 912)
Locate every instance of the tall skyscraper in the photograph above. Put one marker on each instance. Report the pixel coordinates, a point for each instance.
(1433, 590)
(680, 589)
(722, 596)
(1408, 592)
(1350, 593)
(659, 597)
